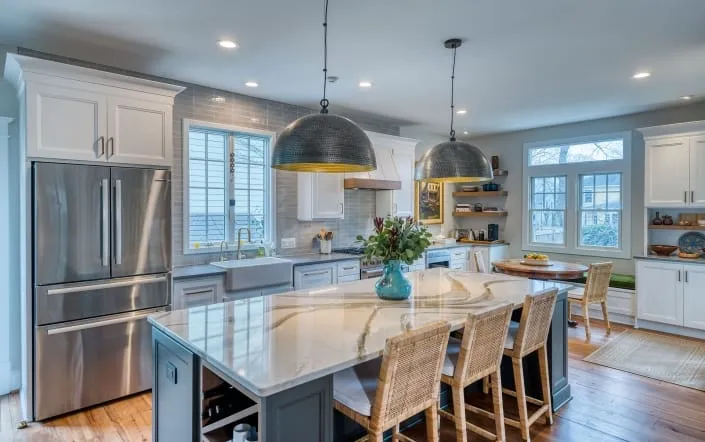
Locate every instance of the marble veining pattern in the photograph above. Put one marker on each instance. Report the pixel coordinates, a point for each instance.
(272, 343)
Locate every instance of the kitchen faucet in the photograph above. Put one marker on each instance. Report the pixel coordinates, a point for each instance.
(222, 255)
(239, 241)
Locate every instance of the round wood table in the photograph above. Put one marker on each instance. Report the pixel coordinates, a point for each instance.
(557, 269)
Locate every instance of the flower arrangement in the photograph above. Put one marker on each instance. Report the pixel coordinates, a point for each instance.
(396, 239)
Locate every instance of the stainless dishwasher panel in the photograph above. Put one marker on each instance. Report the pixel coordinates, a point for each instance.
(75, 301)
(83, 363)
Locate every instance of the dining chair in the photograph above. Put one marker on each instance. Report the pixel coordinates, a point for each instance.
(595, 291)
(479, 262)
(380, 394)
(475, 357)
(528, 336)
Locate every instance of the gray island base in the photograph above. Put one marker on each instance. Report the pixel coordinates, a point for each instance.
(270, 361)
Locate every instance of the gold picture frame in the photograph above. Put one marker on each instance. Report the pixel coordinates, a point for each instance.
(428, 201)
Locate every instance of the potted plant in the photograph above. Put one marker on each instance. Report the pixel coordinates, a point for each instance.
(396, 240)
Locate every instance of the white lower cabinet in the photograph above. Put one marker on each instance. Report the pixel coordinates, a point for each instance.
(458, 258)
(195, 292)
(671, 293)
(694, 296)
(329, 273)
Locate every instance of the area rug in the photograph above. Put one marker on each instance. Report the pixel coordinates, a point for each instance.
(666, 358)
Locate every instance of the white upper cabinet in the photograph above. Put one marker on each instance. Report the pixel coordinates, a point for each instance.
(668, 172)
(320, 196)
(675, 165)
(697, 171)
(65, 123)
(139, 132)
(404, 160)
(75, 113)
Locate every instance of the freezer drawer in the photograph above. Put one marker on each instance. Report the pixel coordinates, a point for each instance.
(75, 301)
(83, 363)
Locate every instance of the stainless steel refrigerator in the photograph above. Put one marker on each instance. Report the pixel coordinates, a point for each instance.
(102, 256)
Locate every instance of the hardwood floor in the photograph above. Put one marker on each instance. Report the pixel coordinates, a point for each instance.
(607, 405)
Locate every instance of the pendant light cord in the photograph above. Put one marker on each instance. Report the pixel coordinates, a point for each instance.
(324, 101)
(452, 97)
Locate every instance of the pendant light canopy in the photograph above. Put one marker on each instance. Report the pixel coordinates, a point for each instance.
(323, 142)
(454, 161)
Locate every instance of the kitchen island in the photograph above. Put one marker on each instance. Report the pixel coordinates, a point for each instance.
(273, 357)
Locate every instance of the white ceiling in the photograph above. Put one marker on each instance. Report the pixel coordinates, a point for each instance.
(525, 63)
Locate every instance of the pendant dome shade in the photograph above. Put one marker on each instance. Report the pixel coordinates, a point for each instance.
(324, 143)
(454, 161)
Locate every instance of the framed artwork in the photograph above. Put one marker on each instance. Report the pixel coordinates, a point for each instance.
(428, 205)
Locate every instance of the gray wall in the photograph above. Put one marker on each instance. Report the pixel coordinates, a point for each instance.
(509, 147)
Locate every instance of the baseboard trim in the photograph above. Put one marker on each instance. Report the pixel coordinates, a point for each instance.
(9, 379)
(671, 329)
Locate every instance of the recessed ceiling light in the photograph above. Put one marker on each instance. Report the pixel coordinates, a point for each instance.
(687, 97)
(218, 99)
(465, 132)
(461, 111)
(227, 44)
(251, 84)
(365, 84)
(639, 75)
(254, 120)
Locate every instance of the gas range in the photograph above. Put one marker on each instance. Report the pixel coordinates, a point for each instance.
(369, 267)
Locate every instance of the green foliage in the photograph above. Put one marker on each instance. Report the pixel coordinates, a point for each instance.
(396, 238)
(600, 235)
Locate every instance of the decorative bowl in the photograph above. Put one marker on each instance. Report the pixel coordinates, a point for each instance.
(663, 250)
(685, 255)
(701, 222)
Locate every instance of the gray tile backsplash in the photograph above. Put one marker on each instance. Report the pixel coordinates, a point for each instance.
(244, 111)
(195, 103)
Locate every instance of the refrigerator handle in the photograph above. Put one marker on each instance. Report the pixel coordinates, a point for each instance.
(118, 222)
(103, 323)
(105, 221)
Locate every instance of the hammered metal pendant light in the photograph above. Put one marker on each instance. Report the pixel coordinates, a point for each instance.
(454, 161)
(323, 142)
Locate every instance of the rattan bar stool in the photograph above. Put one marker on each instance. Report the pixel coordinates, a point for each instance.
(524, 338)
(477, 356)
(380, 394)
(595, 291)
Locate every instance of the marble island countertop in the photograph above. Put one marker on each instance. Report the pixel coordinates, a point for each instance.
(273, 343)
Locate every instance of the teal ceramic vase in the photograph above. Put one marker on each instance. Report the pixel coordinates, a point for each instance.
(393, 285)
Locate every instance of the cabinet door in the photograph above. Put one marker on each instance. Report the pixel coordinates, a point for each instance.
(694, 296)
(660, 292)
(496, 253)
(65, 123)
(199, 291)
(306, 277)
(668, 172)
(327, 196)
(697, 171)
(241, 294)
(139, 132)
(404, 197)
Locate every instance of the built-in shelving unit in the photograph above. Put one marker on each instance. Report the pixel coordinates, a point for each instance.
(479, 214)
(500, 172)
(481, 194)
(676, 227)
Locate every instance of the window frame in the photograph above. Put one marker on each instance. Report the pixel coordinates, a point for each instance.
(531, 210)
(270, 205)
(573, 171)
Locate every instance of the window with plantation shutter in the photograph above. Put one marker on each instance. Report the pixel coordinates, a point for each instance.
(228, 186)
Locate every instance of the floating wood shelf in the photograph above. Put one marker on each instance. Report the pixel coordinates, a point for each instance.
(482, 194)
(676, 227)
(469, 214)
(500, 172)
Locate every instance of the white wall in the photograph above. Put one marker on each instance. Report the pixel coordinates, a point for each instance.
(509, 147)
(9, 238)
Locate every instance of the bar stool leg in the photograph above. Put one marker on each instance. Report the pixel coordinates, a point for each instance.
(587, 320)
(459, 414)
(518, 367)
(545, 383)
(375, 437)
(606, 315)
(432, 428)
(498, 405)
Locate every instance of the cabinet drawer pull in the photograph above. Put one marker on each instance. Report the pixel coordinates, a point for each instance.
(679, 276)
(102, 146)
(685, 197)
(692, 196)
(199, 292)
(322, 272)
(348, 268)
(686, 276)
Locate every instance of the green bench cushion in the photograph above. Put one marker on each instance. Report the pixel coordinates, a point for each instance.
(617, 281)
